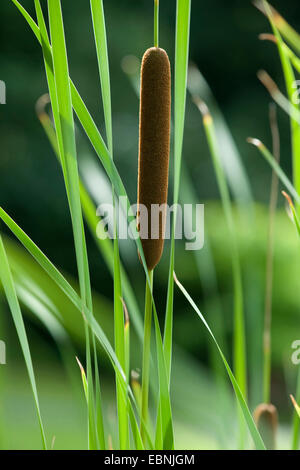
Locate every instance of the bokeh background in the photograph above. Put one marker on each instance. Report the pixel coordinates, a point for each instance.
(225, 47)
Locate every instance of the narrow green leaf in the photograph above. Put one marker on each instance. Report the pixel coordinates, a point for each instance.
(104, 244)
(83, 378)
(239, 327)
(103, 64)
(290, 82)
(98, 20)
(232, 162)
(296, 406)
(239, 395)
(181, 67)
(10, 292)
(276, 167)
(285, 29)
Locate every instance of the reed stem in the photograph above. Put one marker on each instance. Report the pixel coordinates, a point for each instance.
(156, 23)
(296, 420)
(269, 268)
(146, 356)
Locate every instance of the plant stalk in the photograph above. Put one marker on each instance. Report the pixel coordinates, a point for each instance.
(156, 23)
(146, 356)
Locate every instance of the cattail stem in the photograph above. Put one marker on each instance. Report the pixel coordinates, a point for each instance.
(156, 23)
(146, 356)
(269, 268)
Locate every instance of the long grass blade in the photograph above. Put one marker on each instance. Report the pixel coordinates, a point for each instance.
(10, 292)
(103, 243)
(267, 341)
(296, 422)
(239, 348)
(281, 24)
(239, 395)
(276, 167)
(181, 66)
(288, 52)
(231, 159)
(290, 83)
(68, 154)
(98, 20)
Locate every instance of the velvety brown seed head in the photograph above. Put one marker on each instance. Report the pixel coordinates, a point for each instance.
(266, 419)
(154, 147)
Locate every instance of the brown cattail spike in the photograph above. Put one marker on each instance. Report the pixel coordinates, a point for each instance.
(266, 419)
(154, 149)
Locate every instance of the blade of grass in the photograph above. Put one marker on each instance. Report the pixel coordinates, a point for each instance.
(98, 20)
(293, 211)
(290, 87)
(239, 348)
(183, 15)
(296, 406)
(231, 159)
(239, 395)
(277, 96)
(288, 52)
(127, 342)
(269, 264)
(146, 355)
(296, 423)
(83, 378)
(10, 292)
(65, 122)
(272, 162)
(285, 29)
(164, 428)
(89, 211)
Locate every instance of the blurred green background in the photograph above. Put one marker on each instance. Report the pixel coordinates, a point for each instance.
(225, 47)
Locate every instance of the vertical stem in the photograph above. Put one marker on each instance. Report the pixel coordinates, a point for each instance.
(146, 356)
(156, 22)
(269, 267)
(296, 420)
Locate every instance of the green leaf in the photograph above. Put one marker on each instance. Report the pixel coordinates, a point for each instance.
(98, 20)
(276, 167)
(239, 340)
(104, 244)
(239, 327)
(10, 292)
(181, 66)
(286, 30)
(290, 82)
(239, 395)
(232, 162)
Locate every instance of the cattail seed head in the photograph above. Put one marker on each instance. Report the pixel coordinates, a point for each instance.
(266, 419)
(154, 147)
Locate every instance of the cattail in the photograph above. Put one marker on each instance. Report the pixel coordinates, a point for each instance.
(154, 149)
(266, 419)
